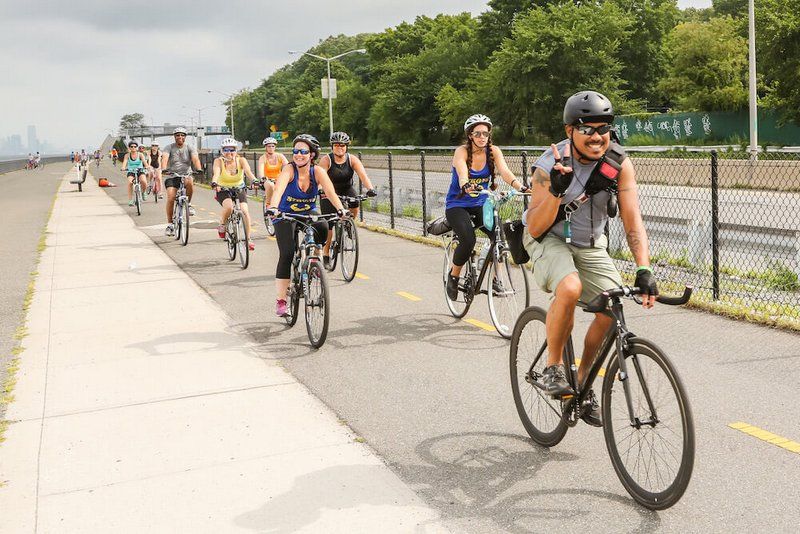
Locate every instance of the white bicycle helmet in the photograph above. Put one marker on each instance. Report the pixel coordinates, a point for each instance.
(229, 142)
(270, 141)
(154, 143)
(179, 129)
(477, 119)
(340, 137)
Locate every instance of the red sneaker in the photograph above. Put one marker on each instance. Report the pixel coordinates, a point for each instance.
(251, 245)
(221, 231)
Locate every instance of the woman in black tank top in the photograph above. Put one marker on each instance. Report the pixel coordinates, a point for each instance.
(341, 167)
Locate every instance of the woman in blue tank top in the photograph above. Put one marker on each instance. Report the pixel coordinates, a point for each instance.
(134, 165)
(296, 190)
(464, 203)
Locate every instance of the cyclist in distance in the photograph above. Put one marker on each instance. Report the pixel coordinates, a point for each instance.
(134, 164)
(475, 164)
(155, 167)
(576, 184)
(114, 156)
(296, 191)
(72, 157)
(37, 159)
(269, 166)
(341, 166)
(229, 172)
(178, 158)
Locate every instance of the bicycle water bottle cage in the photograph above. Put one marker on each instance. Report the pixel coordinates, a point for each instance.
(488, 213)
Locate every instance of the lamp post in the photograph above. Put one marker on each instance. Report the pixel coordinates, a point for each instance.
(230, 107)
(199, 121)
(328, 61)
(751, 11)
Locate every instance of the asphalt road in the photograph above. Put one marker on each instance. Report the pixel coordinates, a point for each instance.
(25, 207)
(431, 394)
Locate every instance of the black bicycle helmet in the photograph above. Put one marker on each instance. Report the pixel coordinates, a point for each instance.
(309, 140)
(588, 106)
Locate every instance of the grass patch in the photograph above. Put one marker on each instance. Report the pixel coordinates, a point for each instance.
(412, 212)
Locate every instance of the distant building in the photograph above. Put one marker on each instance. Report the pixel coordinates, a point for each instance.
(33, 142)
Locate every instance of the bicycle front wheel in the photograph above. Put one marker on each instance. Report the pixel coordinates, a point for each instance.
(137, 200)
(293, 296)
(184, 233)
(349, 249)
(230, 239)
(333, 251)
(316, 300)
(540, 414)
(653, 455)
(460, 306)
(508, 293)
(241, 243)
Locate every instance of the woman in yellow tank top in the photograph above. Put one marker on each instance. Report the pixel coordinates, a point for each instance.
(229, 172)
(269, 166)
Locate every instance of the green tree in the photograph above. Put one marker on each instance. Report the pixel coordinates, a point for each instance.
(642, 54)
(131, 120)
(778, 31)
(733, 8)
(553, 52)
(496, 23)
(707, 69)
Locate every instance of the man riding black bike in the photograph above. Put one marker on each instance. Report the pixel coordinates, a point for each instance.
(577, 185)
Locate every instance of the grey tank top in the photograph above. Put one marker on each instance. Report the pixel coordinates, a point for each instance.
(590, 218)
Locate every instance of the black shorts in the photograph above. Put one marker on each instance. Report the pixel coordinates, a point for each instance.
(140, 172)
(326, 206)
(240, 193)
(172, 182)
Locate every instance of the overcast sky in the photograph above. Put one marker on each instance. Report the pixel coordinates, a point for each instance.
(73, 68)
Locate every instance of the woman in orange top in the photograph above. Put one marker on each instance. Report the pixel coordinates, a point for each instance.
(269, 166)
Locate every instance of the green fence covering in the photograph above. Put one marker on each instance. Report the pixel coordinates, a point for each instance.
(675, 128)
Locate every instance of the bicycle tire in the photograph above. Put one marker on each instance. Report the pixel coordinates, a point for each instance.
(459, 307)
(639, 351)
(137, 200)
(333, 251)
(230, 239)
(176, 220)
(241, 243)
(267, 221)
(293, 296)
(348, 243)
(533, 403)
(184, 234)
(316, 298)
(505, 307)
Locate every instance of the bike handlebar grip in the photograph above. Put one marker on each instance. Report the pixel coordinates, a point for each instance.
(676, 301)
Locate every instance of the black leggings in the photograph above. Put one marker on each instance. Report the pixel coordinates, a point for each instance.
(286, 235)
(463, 221)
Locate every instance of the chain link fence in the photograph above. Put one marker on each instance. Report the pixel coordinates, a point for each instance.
(717, 219)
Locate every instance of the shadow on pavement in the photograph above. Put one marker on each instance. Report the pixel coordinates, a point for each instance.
(485, 476)
(185, 342)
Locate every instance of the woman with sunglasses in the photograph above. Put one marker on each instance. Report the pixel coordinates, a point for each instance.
(135, 166)
(269, 166)
(155, 169)
(341, 168)
(296, 191)
(474, 166)
(229, 172)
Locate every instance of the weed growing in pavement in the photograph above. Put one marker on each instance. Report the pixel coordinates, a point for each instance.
(412, 212)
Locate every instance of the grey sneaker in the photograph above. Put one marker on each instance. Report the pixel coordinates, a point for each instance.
(191, 210)
(555, 382)
(169, 231)
(590, 411)
(452, 287)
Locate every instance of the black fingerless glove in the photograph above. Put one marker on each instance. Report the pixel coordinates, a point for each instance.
(559, 183)
(372, 193)
(342, 213)
(646, 281)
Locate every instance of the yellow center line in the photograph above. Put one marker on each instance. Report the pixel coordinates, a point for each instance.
(769, 437)
(480, 324)
(409, 296)
(601, 372)
(271, 238)
(362, 276)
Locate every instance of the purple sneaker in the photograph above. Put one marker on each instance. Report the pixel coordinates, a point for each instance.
(281, 310)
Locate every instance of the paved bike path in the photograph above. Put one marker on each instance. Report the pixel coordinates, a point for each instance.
(139, 409)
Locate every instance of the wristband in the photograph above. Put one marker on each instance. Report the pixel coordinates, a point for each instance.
(644, 268)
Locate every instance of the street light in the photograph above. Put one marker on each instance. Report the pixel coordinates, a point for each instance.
(199, 121)
(230, 107)
(328, 61)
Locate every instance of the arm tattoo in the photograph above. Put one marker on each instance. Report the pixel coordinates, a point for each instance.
(541, 177)
(634, 240)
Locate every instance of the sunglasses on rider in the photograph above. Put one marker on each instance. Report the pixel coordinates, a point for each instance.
(339, 145)
(585, 129)
(303, 151)
(180, 135)
(229, 149)
(480, 133)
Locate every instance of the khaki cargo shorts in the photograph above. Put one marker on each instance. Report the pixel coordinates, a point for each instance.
(553, 259)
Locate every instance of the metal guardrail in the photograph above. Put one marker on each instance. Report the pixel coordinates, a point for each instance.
(19, 164)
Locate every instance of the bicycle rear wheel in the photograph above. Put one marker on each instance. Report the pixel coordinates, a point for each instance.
(349, 249)
(460, 306)
(508, 293)
(316, 304)
(540, 414)
(653, 457)
(184, 233)
(241, 243)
